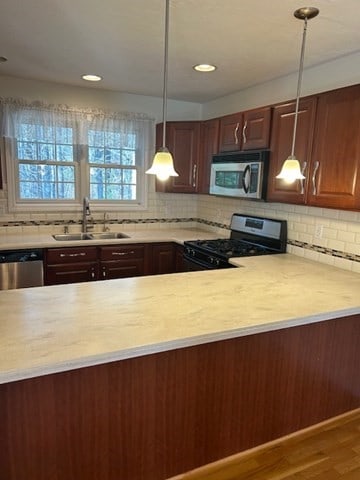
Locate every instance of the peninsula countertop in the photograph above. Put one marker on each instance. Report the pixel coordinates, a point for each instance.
(57, 328)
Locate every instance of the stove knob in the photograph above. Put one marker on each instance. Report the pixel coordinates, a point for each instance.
(217, 262)
(187, 250)
(211, 259)
(193, 253)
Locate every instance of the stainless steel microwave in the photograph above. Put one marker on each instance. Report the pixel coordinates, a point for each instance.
(240, 174)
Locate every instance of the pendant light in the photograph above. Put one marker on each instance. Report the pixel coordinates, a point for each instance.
(291, 170)
(163, 164)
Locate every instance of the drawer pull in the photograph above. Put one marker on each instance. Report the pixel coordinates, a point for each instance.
(82, 254)
(131, 252)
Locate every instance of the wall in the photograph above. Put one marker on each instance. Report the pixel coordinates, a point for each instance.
(327, 76)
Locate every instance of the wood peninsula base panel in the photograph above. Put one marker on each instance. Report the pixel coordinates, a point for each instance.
(152, 417)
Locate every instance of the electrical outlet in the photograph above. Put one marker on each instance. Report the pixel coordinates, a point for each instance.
(318, 231)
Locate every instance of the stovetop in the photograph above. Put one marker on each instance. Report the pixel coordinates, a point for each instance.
(249, 236)
(228, 248)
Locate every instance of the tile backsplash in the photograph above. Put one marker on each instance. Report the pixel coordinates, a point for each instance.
(325, 235)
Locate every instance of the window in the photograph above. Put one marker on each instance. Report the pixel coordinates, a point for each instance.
(57, 157)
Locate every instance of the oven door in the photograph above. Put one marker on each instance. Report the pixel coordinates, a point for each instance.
(193, 265)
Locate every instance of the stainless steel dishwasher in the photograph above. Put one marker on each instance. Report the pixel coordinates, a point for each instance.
(21, 268)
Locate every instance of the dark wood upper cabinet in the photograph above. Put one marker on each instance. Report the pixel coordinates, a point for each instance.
(334, 179)
(230, 132)
(280, 147)
(256, 128)
(209, 145)
(183, 141)
(327, 145)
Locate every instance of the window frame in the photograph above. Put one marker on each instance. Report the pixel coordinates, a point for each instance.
(82, 182)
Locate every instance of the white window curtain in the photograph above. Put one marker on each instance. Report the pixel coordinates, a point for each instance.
(92, 142)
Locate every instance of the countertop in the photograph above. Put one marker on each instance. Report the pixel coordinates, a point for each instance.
(45, 240)
(52, 329)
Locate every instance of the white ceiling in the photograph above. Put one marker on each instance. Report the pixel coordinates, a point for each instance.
(251, 41)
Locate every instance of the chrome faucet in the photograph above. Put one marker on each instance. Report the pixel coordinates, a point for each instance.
(85, 213)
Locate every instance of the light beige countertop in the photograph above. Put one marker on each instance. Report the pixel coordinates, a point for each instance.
(45, 240)
(52, 329)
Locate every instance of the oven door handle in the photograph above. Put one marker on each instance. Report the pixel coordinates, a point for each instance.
(246, 185)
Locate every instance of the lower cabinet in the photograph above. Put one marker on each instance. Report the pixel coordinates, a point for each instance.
(122, 261)
(70, 265)
(105, 262)
(162, 258)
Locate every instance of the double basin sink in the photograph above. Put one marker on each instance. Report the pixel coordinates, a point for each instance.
(89, 236)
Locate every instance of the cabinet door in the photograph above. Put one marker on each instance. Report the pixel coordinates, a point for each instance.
(280, 146)
(162, 258)
(121, 261)
(71, 273)
(209, 145)
(335, 172)
(256, 128)
(183, 141)
(230, 132)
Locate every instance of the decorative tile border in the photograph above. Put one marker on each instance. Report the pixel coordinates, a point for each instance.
(296, 243)
(327, 251)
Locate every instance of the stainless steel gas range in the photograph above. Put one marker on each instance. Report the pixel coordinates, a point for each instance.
(249, 236)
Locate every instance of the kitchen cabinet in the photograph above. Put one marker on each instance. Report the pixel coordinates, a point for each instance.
(209, 145)
(256, 128)
(334, 178)
(245, 130)
(328, 146)
(183, 141)
(106, 262)
(230, 132)
(162, 258)
(70, 265)
(120, 261)
(84, 264)
(280, 147)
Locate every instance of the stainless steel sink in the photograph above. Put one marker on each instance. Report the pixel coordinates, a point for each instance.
(72, 236)
(89, 236)
(107, 235)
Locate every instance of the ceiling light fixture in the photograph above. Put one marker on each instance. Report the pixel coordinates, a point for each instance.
(291, 170)
(204, 67)
(3, 59)
(91, 78)
(163, 163)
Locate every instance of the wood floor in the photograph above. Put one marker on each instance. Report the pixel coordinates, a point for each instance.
(329, 451)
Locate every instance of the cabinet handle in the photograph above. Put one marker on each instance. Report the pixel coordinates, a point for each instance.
(236, 133)
(104, 273)
(314, 177)
(194, 175)
(82, 254)
(131, 252)
(304, 165)
(244, 132)
(92, 274)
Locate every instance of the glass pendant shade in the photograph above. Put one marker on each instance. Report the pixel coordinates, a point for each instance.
(163, 165)
(291, 170)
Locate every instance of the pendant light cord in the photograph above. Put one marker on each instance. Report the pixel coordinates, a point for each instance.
(301, 67)
(166, 48)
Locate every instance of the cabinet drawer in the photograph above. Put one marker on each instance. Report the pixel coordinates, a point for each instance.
(71, 255)
(122, 252)
(71, 273)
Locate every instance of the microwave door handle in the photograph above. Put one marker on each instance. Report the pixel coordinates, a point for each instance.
(246, 187)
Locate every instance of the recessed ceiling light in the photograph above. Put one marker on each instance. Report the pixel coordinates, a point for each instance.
(91, 78)
(3, 59)
(204, 67)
